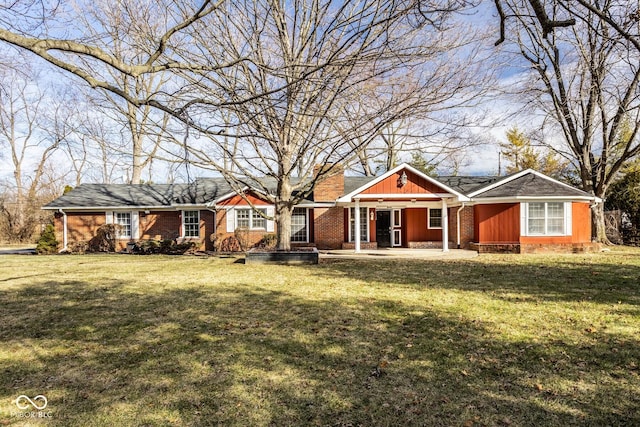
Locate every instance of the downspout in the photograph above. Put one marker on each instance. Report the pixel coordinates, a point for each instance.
(215, 225)
(64, 230)
(458, 223)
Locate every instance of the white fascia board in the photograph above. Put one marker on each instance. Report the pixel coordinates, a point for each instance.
(347, 197)
(521, 174)
(405, 196)
(109, 208)
(315, 205)
(518, 199)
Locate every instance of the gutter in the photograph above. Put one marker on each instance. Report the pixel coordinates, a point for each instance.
(458, 223)
(64, 231)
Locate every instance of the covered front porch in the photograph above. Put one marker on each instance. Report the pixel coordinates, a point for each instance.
(403, 208)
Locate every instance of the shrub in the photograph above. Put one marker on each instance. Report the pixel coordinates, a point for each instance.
(47, 243)
(268, 241)
(79, 247)
(242, 236)
(105, 238)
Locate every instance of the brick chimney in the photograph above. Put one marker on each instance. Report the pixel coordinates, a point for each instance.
(330, 186)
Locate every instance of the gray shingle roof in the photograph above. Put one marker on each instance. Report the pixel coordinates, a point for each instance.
(467, 184)
(142, 195)
(532, 185)
(206, 190)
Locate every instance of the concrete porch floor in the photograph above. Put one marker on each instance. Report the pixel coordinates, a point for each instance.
(397, 253)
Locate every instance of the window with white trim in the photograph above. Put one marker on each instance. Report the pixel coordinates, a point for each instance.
(299, 225)
(545, 218)
(435, 218)
(364, 224)
(191, 223)
(123, 219)
(249, 219)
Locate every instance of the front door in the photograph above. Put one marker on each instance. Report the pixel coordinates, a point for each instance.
(383, 229)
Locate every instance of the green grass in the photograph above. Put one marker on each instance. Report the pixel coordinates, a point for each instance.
(491, 341)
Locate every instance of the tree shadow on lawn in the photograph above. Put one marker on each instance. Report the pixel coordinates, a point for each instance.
(242, 355)
(566, 279)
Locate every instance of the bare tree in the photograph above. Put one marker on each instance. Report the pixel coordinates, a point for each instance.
(585, 79)
(263, 81)
(32, 128)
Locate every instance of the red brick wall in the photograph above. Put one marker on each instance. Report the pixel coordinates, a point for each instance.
(328, 225)
(160, 225)
(330, 188)
(80, 226)
(252, 236)
(466, 227)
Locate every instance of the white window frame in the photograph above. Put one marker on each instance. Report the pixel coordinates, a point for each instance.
(566, 219)
(393, 218)
(252, 216)
(429, 218)
(184, 224)
(306, 226)
(364, 218)
(122, 235)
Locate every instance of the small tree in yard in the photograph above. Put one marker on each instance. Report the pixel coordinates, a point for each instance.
(47, 243)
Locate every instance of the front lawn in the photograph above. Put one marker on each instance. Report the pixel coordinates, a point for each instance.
(117, 340)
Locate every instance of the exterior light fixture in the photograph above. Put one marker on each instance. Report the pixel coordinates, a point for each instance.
(402, 181)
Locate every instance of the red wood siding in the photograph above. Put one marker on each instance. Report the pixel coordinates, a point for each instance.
(581, 221)
(237, 200)
(415, 225)
(499, 223)
(580, 233)
(414, 185)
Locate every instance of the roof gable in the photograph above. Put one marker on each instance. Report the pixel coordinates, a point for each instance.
(418, 183)
(529, 183)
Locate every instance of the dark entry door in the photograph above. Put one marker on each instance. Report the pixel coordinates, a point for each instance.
(383, 229)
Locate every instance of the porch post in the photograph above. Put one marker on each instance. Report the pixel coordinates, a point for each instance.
(445, 227)
(357, 225)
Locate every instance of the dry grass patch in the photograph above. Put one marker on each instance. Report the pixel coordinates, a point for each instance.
(495, 340)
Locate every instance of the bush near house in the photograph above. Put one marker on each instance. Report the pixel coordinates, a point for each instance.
(47, 243)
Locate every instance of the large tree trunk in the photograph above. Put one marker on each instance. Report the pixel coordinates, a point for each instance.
(283, 225)
(284, 209)
(599, 231)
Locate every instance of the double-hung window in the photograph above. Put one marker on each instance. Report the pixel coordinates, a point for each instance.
(299, 225)
(250, 219)
(546, 218)
(191, 223)
(435, 218)
(123, 219)
(364, 224)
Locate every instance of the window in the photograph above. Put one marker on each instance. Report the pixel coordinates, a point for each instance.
(191, 223)
(545, 218)
(123, 219)
(243, 218)
(397, 218)
(435, 218)
(247, 218)
(364, 225)
(259, 221)
(299, 225)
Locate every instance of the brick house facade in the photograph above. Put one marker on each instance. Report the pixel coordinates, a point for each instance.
(523, 212)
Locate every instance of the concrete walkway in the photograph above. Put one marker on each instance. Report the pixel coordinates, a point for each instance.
(398, 253)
